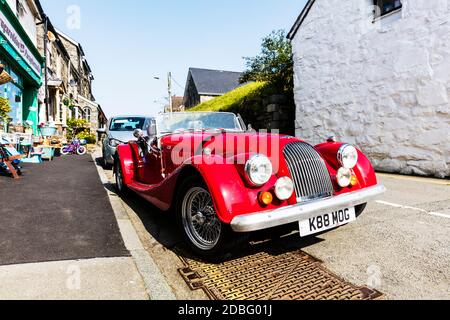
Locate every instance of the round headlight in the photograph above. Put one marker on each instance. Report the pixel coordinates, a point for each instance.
(348, 156)
(259, 170)
(344, 177)
(284, 188)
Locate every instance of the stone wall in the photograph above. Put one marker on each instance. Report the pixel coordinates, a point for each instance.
(271, 112)
(383, 85)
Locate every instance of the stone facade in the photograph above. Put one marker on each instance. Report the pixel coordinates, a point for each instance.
(81, 89)
(58, 62)
(269, 112)
(382, 84)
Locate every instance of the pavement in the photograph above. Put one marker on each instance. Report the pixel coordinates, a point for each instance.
(60, 239)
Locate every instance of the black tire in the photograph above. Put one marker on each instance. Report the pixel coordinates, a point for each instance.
(360, 209)
(105, 165)
(225, 244)
(121, 188)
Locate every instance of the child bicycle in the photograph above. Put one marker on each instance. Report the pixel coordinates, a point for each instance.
(77, 146)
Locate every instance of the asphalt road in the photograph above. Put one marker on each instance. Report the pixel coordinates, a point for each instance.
(399, 246)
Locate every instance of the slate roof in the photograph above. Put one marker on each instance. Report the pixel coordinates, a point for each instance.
(214, 82)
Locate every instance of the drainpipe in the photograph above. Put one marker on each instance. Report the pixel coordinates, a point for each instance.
(45, 23)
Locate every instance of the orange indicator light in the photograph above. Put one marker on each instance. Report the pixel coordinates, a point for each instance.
(266, 198)
(354, 180)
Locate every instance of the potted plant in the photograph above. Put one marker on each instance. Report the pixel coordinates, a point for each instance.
(47, 129)
(5, 109)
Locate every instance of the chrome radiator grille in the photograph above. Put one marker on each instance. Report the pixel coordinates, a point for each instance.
(309, 172)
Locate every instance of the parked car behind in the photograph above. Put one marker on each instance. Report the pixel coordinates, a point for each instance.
(120, 130)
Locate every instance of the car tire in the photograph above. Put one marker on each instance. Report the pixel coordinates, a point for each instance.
(105, 164)
(360, 209)
(121, 188)
(222, 240)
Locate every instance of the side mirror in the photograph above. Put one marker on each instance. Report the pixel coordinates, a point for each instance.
(138, 133)
(151, 130)
(101, 131)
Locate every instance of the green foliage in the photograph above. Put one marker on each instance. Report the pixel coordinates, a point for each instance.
(76, 126)
(88, 136)
(246, 101)
(235, 100)
(5, 107)
(274, 64)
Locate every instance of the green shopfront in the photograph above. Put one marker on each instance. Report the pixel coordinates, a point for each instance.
(23, 62)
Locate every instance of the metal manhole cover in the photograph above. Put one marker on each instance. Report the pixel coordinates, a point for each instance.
(271, 276)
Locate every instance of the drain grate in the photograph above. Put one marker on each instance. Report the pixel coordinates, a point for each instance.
(271, 276)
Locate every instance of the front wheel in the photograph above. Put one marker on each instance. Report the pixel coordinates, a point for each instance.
(120, 185)
(81, 151)
(203, 231)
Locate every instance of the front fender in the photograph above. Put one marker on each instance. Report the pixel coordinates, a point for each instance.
(125, 157)
(363, 170)
(231, 195)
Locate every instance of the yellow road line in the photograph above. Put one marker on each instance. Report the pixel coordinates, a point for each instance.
(415, 179)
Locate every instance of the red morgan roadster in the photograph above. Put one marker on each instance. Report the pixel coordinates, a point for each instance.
(224, 181)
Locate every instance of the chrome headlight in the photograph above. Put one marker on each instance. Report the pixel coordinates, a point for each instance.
(284, 188)
(348, 156)
(344, 177)
(115, 143)
(258, 170)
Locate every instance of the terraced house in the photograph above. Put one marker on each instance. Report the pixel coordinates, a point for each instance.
(80, 80)
(25, 33)
(376, 73)
(22, 61)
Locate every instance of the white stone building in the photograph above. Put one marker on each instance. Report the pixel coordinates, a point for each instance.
(377, 74)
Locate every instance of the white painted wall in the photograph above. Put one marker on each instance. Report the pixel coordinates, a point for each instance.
(384, 86)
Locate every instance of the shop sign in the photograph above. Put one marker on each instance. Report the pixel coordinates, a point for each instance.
(14, 38)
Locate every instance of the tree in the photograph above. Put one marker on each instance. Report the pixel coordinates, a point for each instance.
(274, 64)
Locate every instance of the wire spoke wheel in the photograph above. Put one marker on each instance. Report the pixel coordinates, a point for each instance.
(200, 221)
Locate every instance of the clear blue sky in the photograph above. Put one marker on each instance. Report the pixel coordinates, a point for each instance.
(127, 43)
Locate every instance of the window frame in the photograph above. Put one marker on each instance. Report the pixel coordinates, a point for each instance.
(87, 114)
(380, 5)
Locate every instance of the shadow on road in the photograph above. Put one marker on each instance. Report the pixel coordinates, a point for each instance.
(163, 228)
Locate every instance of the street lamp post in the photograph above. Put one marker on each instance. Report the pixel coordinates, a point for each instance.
(169, 86)
(169, 81)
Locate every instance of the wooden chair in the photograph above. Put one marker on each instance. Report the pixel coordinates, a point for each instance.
(7, 159)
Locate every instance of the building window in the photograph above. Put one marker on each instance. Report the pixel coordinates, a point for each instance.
(387, 6)
(87, 114)
(20, 9)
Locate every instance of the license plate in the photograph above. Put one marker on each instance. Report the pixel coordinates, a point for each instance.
(327, 221)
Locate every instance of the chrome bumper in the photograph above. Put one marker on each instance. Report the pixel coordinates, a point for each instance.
(303, 211)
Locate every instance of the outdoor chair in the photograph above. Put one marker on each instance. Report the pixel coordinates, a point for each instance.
(7, 156)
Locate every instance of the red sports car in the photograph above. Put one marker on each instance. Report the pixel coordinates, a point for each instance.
(224, 181)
